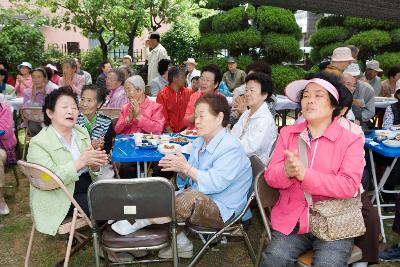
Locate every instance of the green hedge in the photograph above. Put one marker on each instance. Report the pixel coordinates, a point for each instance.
(370, 40)
(242, 62)
(283, 75)
(388, 60)
(205, 25)
(234, 19)
(368, 24)
(277, 19)
(328, 35)
(395, 35)
(91, 60)
(281, 47)
(210, 43)
(329, 21)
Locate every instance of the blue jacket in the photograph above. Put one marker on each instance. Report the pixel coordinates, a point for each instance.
(224, 172)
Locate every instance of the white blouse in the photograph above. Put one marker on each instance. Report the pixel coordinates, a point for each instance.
(258, 133)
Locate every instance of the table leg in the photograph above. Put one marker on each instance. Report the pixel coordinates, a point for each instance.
(384, 178)
(138, 169)
(378, 201)
(145, 169)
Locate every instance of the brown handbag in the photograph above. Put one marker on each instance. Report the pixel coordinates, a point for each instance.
(334, 219)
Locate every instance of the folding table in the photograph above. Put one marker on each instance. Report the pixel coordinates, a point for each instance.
(378, 188)
(125, 151)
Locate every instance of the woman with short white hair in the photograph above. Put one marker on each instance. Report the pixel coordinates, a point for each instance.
(140, 114)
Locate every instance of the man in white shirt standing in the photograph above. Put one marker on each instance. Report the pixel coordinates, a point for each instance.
(192, 71)
(157, 53)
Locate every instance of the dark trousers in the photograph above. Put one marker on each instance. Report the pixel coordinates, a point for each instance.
(396, 222)
(369, 242)
(80, 193)
(285, 249)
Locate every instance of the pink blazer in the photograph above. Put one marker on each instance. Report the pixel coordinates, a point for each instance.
(151, 119)
(336, 173)
(7, 124)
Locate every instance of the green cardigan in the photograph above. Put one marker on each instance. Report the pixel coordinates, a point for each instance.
(49, 208)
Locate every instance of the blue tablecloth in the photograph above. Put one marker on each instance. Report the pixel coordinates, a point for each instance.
(126, 151)
(381, 148)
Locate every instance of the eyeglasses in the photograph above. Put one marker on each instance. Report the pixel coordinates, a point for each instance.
(203, 79)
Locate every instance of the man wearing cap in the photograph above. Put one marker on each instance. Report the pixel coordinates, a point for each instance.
(127, 60)
(191, 71)
(341, 58)
(157, 53)
(363, 95)
(234, 77)
(85, 74)
(371, 74)
(24, 80)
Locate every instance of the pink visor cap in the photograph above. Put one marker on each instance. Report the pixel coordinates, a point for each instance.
(292, 89)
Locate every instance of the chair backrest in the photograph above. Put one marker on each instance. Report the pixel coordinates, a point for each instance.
(43, 179)
(113, 113)
(32, 114)
(124, 199)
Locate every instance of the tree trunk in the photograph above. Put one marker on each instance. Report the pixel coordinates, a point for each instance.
(104, 47)
(131, 37)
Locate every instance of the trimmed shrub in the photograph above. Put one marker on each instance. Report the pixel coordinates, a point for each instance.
(281, 47)
(395, 35)
(329, 21)
(388, 60)
(370, 40)
(328, 35)
(222, 63)
(283, 75)
(234, 19)
(367, 24)
(277, 20)
(211, 42)
(205, 25)
(242, 39)
(326, 51)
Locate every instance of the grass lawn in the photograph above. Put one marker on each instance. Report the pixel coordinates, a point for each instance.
(15, 229)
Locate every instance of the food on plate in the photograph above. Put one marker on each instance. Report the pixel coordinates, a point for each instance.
(398, 137)
(166, 146)
(179, 139)
(190, 132)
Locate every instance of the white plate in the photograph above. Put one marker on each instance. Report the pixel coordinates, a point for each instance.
(384, 99)
(190, 134)
(392, 143)
(395, 128)
(389, 134)
(165, 151)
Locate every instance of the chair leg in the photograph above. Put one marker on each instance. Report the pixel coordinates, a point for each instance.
(260, 249)
(71, 237)
(174, 247)
(205, 246)
(248, 244)
(28, 251)
(96, 249)
(25, 143)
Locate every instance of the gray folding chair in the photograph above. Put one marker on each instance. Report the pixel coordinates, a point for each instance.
(231, 226)
(129, 199)
(266, 197)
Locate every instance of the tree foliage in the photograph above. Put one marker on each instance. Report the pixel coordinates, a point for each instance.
(181, 43)
(235, 19)
(328, 35)
(19, 42)
(281, 47)
(283, 75)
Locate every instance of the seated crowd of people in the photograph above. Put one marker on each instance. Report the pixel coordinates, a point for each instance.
(336, 105)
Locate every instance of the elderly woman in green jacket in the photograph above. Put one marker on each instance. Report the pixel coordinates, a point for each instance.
(64, 148)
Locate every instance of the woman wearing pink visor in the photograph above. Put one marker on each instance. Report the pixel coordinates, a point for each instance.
(335, 162)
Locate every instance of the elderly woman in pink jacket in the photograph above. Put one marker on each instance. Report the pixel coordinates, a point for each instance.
(140, 114)
(334, 170)
(7, 149)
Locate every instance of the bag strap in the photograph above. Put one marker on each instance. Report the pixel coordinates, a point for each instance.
(304, 160)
